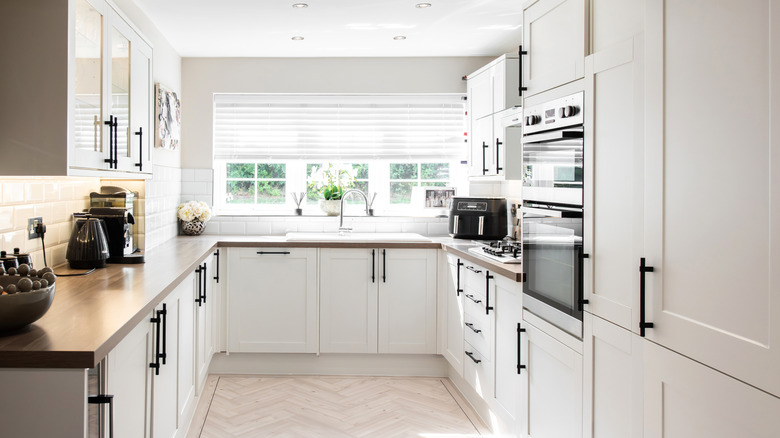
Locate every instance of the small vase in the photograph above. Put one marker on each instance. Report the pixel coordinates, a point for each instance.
(193, 228)
(330, 207)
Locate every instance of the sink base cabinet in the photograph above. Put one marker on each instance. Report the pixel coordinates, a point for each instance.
(272, 300)
(378, 301)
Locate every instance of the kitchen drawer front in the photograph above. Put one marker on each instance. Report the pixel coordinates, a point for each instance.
(477, 334)
(475, 310)
(474, 276)
(478, 371)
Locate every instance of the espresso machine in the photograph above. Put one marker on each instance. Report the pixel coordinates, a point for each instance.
(116, 207)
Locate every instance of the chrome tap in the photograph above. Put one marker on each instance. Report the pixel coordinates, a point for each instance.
(342, 228)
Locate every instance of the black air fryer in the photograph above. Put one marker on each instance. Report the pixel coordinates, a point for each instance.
(478, 218)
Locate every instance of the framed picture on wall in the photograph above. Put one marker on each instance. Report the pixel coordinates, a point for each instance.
(167, 122)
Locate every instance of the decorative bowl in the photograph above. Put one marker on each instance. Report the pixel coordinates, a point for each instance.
(22, 308)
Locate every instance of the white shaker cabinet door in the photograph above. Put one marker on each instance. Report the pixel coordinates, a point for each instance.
(508, 313)
(712, 194)
(684, 399)
(454, 282)
(272, 300)
(612, 380)
(348, 300)
(407, 301)
(551, 385)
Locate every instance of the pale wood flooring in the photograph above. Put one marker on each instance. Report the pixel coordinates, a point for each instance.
(333, 406)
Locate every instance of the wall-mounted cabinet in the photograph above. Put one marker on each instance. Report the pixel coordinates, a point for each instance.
(492, 95)
(77, 91)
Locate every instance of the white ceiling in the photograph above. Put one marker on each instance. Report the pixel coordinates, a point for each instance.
(345, 28)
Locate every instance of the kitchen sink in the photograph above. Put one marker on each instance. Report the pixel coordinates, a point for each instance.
(356, 237)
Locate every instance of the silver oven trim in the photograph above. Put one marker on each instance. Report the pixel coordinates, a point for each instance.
(567, 323)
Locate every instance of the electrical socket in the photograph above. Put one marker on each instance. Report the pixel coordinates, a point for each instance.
(32, 227)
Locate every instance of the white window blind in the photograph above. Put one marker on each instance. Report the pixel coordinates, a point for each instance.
(330, 127)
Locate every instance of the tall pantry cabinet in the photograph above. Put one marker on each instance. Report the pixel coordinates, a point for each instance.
(683, 126)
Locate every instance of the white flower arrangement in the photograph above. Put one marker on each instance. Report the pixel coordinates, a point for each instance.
(194, 211)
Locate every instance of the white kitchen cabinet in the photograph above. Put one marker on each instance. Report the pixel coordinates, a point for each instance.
(507, 361)
(614, 83)
(712, 193)
(551, 386)
(612, 381)
(407, 301)
(491, 90)
(102, 68)
(348, 300)
(272, 300)
(165, 396)
(128, 379)
(207, 301)
(683, 398)
(184, 298)
(453, 290)
(555, 37)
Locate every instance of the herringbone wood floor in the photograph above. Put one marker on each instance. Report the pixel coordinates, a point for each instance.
(325, 406)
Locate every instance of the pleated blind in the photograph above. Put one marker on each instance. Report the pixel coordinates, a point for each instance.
(256, 126)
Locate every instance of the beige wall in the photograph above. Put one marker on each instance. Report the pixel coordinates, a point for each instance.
(202, 77)
(166, 65)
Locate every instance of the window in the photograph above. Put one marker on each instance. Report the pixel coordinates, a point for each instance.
(266, 146)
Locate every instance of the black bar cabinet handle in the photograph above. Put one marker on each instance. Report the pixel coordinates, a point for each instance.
(519, 343)
(116, 143)
(471, 326)
(643, 268)
(273, 252)
(458, 290)
(164, 313)
(471, 356)
(216, 277)
(373, 266)
(471, 297)
(488, 307)
(484, 148)
(199, 300)
(520, 53)
(156, 364)
(140, 134)
(384, 266)
(110, 159)
(476, 271)
(103, 399)
(205, 280)
(498, 143)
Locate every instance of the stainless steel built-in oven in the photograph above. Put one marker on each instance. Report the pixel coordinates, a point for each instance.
(553, 149)
(552, 265)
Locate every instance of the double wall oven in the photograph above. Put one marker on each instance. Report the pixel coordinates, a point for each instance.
(552, 255)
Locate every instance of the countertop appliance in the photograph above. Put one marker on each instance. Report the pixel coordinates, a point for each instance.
(552, 212)
(119, 230)
(88, 245)
(478, 218)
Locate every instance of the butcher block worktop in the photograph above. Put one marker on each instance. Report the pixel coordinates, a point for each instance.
(90, 315)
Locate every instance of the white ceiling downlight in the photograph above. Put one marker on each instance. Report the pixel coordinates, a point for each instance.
(422, 5)
(300, 5)
(297, 38)
(399, 38)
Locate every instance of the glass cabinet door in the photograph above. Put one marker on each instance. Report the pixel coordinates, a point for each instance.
(88, 101)
(120, 90)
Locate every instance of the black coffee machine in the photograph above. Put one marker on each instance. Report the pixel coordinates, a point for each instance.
(115, 206)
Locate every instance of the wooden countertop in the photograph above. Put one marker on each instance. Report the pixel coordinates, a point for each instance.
(90, 315)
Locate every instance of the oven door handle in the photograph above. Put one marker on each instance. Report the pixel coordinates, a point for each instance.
(550, 212)
(553, 136)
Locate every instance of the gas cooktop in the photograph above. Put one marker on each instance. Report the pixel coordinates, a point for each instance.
(501, 251)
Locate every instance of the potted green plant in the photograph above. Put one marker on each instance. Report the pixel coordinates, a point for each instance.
(331, 181)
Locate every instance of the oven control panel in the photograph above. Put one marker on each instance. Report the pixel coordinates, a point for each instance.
(555, 114)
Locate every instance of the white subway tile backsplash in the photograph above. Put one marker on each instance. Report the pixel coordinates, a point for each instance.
(388, 227)
(6, 218)
(414, 228)
(232, 228)
(258, 228)
(187, 175)
(13, 193)
(205, 175)
(22, 213)
(438, 229)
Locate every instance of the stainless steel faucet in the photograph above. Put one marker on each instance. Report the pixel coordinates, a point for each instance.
(342, 228)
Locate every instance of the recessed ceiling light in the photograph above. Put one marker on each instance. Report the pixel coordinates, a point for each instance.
(399, 37)
(422, 5)
(297, 38)
(300, 5)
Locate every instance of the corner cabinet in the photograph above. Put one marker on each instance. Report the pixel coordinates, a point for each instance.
(77, 90)
(272, 303)
(378, 300)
